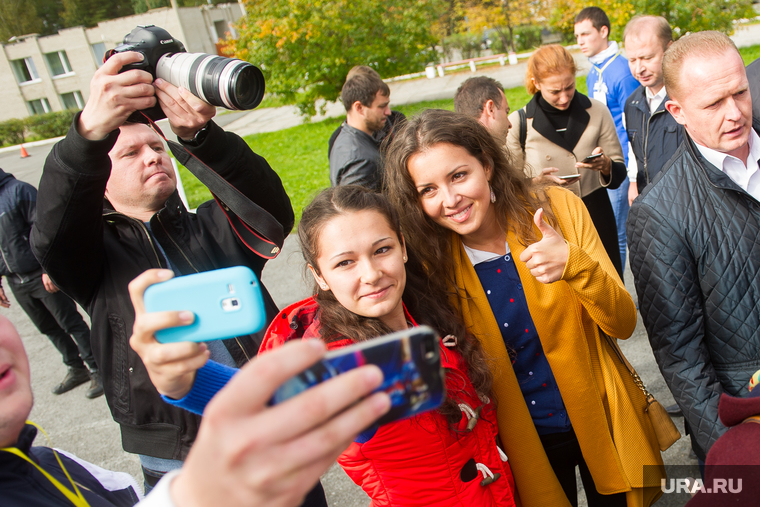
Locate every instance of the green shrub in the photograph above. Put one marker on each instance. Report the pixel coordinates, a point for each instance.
(48, 125)
(11, 132)
(469, 44)
(527, 37)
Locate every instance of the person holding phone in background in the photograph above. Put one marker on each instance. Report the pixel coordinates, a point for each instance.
(353, 246)
(560, 129)
(534, 284)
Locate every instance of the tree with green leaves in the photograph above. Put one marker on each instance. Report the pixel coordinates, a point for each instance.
(90, 12)
(306, 47)
(684, 16)
(18, 17)
(697, 15)
(23, 17)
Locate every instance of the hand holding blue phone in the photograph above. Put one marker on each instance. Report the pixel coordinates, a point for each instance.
(226, 303)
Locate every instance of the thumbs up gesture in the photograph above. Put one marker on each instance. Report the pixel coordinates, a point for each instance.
(546, 259)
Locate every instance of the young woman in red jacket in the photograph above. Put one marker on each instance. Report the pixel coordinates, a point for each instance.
(353, 246)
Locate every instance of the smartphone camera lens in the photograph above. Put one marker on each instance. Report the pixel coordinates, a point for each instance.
(429, 351)
(230, 304)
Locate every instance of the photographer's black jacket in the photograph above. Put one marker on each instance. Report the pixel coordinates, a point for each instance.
(92, 252)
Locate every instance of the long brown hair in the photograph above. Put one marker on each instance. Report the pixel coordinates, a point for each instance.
(425, 305)
(516, 199)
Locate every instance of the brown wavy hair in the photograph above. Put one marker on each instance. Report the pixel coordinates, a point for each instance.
(424, 304)
(516, 198)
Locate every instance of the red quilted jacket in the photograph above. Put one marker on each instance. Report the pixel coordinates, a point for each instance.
(418, 461)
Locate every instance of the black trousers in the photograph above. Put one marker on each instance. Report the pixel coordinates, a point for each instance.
(600, 209)
(564, 454)
(56, 316)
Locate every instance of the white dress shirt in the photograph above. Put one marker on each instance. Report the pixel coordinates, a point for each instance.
(654, 100)
(747, 177)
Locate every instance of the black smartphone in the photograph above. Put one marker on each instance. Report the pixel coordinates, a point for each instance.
(411, 365)
(591, 158)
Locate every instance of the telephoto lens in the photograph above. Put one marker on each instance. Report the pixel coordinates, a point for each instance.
(220, 81)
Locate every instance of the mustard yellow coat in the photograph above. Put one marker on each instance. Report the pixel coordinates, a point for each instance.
(604, 405)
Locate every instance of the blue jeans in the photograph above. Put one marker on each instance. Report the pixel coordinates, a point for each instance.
(620, 206)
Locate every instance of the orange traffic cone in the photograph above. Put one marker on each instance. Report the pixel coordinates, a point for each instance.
(24, 154)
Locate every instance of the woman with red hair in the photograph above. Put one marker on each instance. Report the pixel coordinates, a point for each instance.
(555, 132)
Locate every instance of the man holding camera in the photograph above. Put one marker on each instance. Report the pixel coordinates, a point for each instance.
(108, 210)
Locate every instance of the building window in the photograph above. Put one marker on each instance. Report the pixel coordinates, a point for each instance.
(58, 63)
(25, 70)
(38, 106)
(222, 30)
(72, 100)
(99, 51)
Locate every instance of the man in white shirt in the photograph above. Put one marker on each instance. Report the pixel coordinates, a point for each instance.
(654, 135)
(694, 236)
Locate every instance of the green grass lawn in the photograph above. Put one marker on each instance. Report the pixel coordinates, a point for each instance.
(299, 154)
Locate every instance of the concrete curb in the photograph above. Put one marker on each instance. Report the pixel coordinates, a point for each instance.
(43, 142)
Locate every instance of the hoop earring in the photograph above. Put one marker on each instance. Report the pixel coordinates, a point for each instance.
(493, 196)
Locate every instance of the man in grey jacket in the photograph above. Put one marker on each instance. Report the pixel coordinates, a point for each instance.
(694, 237)
(355, 156)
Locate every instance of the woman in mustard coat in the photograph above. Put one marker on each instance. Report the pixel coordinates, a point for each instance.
(528, 272)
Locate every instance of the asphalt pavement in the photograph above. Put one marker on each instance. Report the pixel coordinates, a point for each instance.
(85, 427)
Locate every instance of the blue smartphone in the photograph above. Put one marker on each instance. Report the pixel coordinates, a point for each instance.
(411, 365)
(226, 303)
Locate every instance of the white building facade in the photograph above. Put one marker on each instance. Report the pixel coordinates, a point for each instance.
(52, 73)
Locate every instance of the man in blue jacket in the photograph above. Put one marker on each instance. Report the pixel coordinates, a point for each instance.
(52, 311)
(610, 82)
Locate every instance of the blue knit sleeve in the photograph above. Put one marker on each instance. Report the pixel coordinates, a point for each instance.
(209, 380)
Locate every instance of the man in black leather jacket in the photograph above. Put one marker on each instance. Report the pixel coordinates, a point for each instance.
(92, 246)
(694, 236)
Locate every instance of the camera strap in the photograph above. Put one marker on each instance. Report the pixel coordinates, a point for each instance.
(256, 227)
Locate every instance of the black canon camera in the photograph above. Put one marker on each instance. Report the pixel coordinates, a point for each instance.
(220, 81)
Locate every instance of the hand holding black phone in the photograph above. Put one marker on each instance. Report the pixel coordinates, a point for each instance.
(591, 158)
(411, 365)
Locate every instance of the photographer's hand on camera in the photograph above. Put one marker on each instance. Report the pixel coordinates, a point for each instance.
(114, 96)
(171, 366)
(187, 114)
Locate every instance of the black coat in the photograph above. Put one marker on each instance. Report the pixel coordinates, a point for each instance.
(18, 201)
(654, 137)
(694, 240)
(92, 252)
(22, 485)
